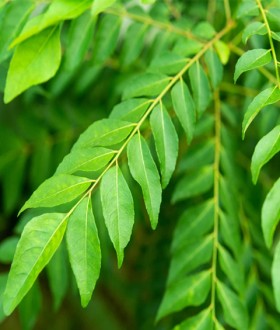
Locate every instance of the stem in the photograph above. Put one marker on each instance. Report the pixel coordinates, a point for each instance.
(270, 41)
(227, 10)
(216, 198)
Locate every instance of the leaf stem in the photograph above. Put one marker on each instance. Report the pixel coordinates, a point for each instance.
(270, 41)
(227, 10)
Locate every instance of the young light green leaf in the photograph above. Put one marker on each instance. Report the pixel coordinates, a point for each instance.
(85, 159)
(84, 249)
(266, 148)
(190, 291)
(275, 273)
(250, 60)
(100, 5)
(167, 63)
(103, 133)
(144, 171)
(215, 67)
(57, 190)
(130, 110)
(200, 87)
(271, 213)
(36, 60)
(194, 184)
(106, 38)
(184, 107)
(268, 96)
(40, 239)
(7, 249)
(223, 51)
(147, 84)
(252, 29)
(235, 312)
(201, 321)
(57, 270)
(166, 141)
(118, 209)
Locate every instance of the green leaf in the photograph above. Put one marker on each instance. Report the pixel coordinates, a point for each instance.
(184, 108)
(100, 5)
(235, 312)
(201, 321)
(187, 47)
(215, 67)
(78, 40)
(167, 63)
(268, 96)
(7, 249)
(103, 133)
(118, 209)
(250, 60)
(190, 291)
(130, 110)
(3, 281)
(200, 87)
(84, 249)
(271, 213)
(204, 30)
(59, 10)
(40, 239)
(144, 171)
(193, 184)
(252, 29)
(57, 190)
(85, 159)
(166, 141)
(275, 273)
(57, 270)
(273, 18)
(106, 38)
(266, 148)
(223, 51)
(36, 60)
(247, 8)
(147, 84)
(195, 222)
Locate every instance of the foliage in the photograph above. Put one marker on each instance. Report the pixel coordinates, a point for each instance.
(163, 87)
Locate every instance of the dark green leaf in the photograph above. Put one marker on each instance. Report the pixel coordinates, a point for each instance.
(40, 239)
(84, 249)
(3, 281)
(166, 141)
(7, 249)
(144, 171)
(118, 209)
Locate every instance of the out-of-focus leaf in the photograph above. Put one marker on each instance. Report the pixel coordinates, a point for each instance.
(7, 249)
(100, 5)
(276, 275)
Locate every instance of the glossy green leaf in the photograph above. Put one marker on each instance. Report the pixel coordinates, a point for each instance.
(85, 159)
(84, 249)
(235, 312)
(201, 321)
(57, 270)
(118, 209)
(130, 110)
(144, 171)
(7, 249)
(215, 67)
(266, 148)
(184, 108)
(58, 11)
(57, 190)
(40, 239)
(194, 184)
(190, 291)
(166, 141)
(268, 96)
(147, 84)
(106, 38)
(78, 40)
(275, 273)
(100, 5)
(168, 63)
(252, 29)
(271, 213)
(200, 87)
(103, 133)
(35, 60)
(195, 222)
(250, 60)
